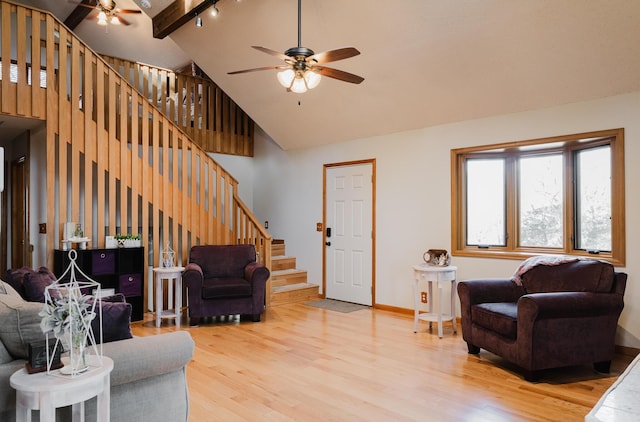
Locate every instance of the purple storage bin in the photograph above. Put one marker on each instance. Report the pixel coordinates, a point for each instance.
(130, 284)
(103, 262)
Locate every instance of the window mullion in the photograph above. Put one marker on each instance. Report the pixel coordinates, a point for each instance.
(511, 202)
(569, 212)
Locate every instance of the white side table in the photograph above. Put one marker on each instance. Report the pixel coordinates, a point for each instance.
(440, 275)
(169, 274)
(46, 392)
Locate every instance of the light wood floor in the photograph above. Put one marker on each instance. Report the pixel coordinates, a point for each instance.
(302, 363)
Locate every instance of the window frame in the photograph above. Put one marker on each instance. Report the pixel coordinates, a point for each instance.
(511, 151)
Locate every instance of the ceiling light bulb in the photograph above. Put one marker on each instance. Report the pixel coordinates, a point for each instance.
(115, 21)
(299, 86)
(102, 19)
(286, 77)
(214, 11)
(312, 78)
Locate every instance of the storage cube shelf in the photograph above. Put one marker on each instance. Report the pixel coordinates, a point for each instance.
(121, 269)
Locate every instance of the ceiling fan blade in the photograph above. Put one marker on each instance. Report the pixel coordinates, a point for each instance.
(257, 69)
(333, 55)
(338, 74)
(272, 52)
(122, 20)
(86, 5)
(128, 11)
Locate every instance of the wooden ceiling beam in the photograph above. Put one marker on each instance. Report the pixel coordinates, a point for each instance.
(79, 13)
(177, 14)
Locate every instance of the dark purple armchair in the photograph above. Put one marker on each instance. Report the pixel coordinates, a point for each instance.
(225, 280)
(561, 315)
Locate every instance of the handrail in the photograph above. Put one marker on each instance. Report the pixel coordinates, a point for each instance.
(114, 162)
(197, 105)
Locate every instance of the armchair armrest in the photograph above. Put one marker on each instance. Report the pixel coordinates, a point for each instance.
(256, 272)
(143, 357)
(539, 306)
(193, 276)
(472, 292)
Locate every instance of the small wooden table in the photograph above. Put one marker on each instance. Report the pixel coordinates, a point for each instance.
(440, 275)
(46, 392)
(169, 274)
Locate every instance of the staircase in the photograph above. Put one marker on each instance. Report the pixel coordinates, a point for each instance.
(114, 161)
(288, 284)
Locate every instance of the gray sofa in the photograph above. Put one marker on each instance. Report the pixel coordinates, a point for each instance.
(148, 381)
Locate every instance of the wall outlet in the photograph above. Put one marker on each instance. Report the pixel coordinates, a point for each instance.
(423, 297)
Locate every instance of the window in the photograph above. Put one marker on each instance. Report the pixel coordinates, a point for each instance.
(561, 195)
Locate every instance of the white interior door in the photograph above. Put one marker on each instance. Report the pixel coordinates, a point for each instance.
(349, 225)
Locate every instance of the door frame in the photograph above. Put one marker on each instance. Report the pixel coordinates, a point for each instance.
(20, 190)
(325, 167)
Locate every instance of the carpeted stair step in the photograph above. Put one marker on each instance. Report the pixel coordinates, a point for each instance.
(283, 263)
(291, 293)
(286, 277)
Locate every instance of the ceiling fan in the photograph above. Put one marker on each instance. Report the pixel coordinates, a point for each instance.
(108, 13)
(303, 68)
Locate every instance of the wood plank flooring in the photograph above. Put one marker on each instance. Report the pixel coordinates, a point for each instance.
(302, 363)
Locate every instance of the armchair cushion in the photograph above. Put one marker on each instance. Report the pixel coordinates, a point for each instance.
(500, 317)
(218, 288)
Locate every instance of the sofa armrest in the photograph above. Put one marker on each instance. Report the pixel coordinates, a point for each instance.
(143, 357)
(539, 306)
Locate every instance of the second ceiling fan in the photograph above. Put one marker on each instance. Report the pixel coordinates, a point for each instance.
(108, 12)
(303, 68)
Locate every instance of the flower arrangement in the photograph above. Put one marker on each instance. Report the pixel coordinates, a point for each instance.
(68, 314)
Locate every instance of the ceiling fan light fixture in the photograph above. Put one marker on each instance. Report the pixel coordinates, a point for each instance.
(102, 18)
(114, 20)
(286, 77)
(299, 86)
(312, 79)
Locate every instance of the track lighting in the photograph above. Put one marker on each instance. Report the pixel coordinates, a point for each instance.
(198, 21)
(214, 10)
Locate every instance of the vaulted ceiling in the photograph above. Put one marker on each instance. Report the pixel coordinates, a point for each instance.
(425, 62)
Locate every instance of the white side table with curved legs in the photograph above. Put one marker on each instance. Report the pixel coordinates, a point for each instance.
(439, 275)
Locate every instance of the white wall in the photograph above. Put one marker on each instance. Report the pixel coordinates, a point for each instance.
(413, 193)
(242, 169)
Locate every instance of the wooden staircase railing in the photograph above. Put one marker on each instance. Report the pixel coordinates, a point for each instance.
(196, 105)
(115, 163)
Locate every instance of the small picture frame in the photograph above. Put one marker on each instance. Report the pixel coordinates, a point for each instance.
(37, 359)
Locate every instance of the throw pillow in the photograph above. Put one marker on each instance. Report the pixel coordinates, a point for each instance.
(36, 282)
(116, 320)
(15, 279)
(20, 324)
